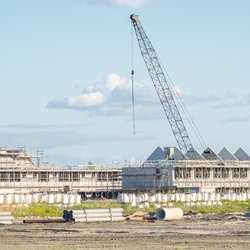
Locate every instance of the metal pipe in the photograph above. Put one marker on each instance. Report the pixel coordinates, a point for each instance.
(44, 221)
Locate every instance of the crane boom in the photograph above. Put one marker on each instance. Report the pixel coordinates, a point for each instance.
(163, 89)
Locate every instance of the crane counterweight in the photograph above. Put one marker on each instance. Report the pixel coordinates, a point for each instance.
(134, 18)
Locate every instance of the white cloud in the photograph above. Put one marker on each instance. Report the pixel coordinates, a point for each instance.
(180, 92)
(86, 100)
(112, 97)
(129, 3)
(187, 97)
(234, 119)
(114, 81)
(123, 3)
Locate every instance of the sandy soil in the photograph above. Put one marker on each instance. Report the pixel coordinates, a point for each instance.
(228, 231)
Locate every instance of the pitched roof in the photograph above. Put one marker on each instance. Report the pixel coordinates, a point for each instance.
(196, 156)
(176, 154)
(158, 154)
(210, 155)
(225, 155)
(241, 155)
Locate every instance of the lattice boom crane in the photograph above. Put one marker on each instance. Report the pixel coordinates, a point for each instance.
(163, 89)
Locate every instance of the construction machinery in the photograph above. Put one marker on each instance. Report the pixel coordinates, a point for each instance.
(163, 89)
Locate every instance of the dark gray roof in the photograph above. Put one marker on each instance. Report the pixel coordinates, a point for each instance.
(177, 154)
(196, 156)
(225, 155)
(241, 155)
(158, 154)
(210, 155)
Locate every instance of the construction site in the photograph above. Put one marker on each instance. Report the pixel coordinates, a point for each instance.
(174, 169)
(169, 169)
(176, 198)
(21, 175)
(165, 170)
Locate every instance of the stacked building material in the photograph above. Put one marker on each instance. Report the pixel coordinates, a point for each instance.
(116, 214)
(79, 216)
(6, 218)
(92, 215)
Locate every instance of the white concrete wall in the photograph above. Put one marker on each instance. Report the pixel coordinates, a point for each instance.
(145, 199)
(39, 198)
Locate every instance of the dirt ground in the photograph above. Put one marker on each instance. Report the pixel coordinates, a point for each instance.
(228, 231)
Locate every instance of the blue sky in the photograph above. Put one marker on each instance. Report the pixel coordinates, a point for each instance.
(65, 70)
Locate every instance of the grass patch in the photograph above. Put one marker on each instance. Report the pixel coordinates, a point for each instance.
(227, 207)
(34, 211)
(46, 210)
(94, 204)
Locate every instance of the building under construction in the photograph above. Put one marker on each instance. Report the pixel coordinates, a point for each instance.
(20, 174)
(184, 169)
(169, 169)
(164, 170)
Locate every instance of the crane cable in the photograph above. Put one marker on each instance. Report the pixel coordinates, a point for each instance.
(132, 77)
(174, 91)
(184, 109)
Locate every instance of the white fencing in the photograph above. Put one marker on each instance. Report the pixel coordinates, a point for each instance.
(144, 200)
(92, 215)
(38, 198)
(6, 218)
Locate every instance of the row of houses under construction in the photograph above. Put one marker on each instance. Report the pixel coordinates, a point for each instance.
(165, 169)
